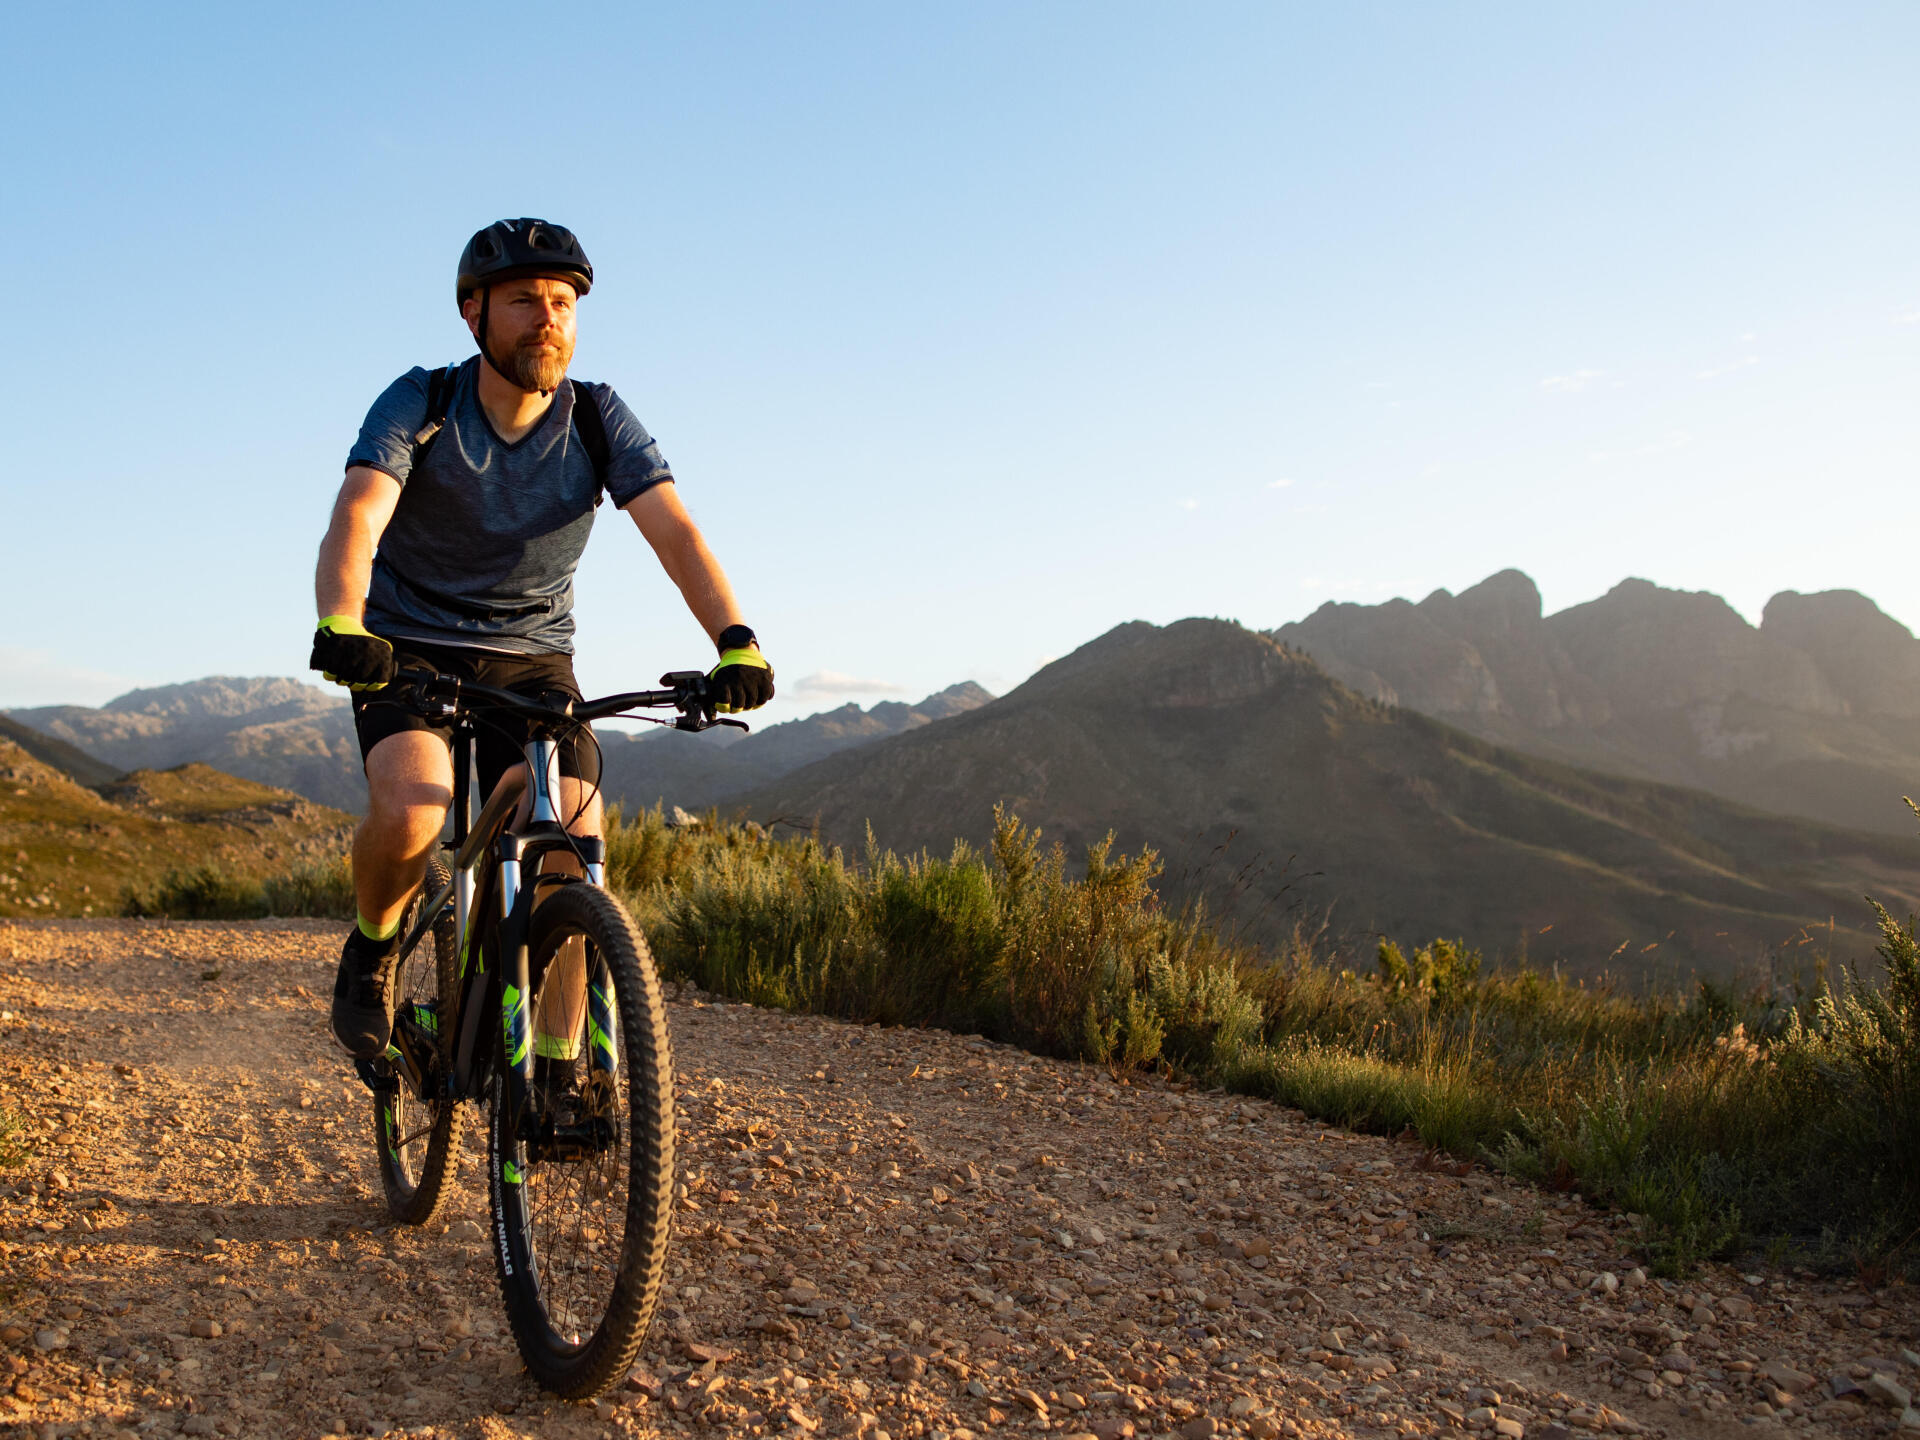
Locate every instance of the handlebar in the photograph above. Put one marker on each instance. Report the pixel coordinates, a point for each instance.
(449, 697)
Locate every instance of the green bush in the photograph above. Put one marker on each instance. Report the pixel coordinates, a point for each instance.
(204, 893)
(1726, 1121)
(322, 891)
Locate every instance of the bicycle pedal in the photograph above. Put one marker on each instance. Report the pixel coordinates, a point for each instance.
(371, 1076)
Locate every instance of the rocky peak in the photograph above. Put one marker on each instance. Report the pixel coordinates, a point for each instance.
(227, 696)
(1656, 649)
(1869, 658)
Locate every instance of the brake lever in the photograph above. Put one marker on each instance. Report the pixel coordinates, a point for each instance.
(695, 721)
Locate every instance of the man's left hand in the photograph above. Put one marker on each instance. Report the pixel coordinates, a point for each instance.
(743, 680)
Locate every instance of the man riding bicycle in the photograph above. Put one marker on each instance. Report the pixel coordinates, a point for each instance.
(467, 503)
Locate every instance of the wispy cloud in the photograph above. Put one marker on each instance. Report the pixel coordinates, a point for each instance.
(1672, 440)
(1572, 382)
(37, 677)
(1189, 504)
(1278, 484)
(1908, 317)
(1714, 372)
(833, 682)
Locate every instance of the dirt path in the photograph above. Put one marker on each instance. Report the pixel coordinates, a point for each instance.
(882, 1231)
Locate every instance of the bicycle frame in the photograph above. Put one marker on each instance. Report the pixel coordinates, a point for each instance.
(505, 988)
(493, 865)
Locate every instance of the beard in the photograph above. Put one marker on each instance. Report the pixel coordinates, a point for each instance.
(533, 368)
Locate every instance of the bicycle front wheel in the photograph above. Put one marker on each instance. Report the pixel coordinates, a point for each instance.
(582, 1197)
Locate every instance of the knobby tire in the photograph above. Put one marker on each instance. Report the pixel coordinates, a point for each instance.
(415, 1138)
(537, 1267)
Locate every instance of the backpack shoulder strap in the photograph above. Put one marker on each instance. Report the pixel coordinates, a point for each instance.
(593, 430)
(439, 397)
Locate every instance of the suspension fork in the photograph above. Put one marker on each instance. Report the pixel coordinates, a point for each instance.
(516, 1000)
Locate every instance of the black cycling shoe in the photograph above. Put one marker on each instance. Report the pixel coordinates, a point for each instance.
(363, 996)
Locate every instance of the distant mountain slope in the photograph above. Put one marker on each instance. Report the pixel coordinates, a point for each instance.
(1811, 713)
(67, 850)
(698, 771)
(1234, 755)
(300, 737)
(272, 730)
(69, 760)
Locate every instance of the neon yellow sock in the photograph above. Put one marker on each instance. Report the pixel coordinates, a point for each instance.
(376, 932)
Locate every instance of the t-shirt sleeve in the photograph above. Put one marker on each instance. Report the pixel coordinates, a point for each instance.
(634, 462)
(386, 435)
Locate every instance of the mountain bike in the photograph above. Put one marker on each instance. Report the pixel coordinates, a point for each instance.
(522, 982)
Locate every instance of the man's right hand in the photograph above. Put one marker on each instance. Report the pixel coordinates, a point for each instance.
(347, 653)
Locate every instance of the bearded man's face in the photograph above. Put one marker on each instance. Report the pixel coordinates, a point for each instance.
(530, 330)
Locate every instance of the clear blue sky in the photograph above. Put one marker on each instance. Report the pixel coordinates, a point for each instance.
(974, 330)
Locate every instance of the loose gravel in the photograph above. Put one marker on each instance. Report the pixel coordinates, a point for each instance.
(882, 1234)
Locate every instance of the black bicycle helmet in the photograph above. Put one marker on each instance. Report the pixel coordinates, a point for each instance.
(509, 249)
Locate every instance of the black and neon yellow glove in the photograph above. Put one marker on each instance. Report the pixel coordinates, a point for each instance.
(743, 680)
(347, 653)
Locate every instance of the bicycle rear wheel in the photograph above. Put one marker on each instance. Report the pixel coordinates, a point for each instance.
(583, 1207)
(414, 1137)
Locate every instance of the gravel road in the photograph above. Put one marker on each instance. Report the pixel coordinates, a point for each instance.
(882, 1233)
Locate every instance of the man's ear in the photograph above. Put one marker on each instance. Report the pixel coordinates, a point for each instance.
(470, 312)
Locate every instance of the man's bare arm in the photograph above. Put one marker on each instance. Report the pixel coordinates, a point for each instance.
(685, 557)
(360, 515)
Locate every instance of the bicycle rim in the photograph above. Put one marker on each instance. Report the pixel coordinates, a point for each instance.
(582, 1208)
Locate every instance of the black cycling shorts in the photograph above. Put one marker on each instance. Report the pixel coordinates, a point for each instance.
(499, 736)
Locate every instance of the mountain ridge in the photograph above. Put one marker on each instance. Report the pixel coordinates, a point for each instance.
(1200, 737)
(1808, 713)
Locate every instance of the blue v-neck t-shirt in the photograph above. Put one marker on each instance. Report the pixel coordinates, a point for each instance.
(483, 545)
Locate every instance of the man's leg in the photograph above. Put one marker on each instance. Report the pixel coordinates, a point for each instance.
(409, 786)
(558, 1019)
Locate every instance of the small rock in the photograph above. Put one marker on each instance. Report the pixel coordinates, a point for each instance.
(1032, 1401)
(1883, 1389)
(205, 1329)
(466, 1231)
(49, 1340)
(1605, 1283)
(1201, 1427)
(1113, 1429)
(1785, 1377)
(904, 1365)
(199, 1425)
(1511, 1429)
